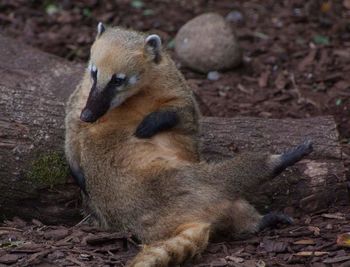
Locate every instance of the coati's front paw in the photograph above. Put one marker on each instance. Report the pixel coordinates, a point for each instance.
(156, 122)
(272, 219)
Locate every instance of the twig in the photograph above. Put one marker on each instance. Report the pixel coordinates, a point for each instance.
(301, 99)
(6, 228)
(83, 220)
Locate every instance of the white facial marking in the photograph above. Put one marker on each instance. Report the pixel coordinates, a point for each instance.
(133, 80)
(120, 98)
(121, 75)
(100, 28)
(92, 67)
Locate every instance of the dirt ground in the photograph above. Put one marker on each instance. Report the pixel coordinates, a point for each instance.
(314, 240)
(296, 64)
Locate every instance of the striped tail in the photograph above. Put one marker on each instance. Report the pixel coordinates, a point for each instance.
(189, 240)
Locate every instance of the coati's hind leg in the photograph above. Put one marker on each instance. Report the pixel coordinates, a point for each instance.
(246, 217)
(189, 240)
(244, 174)
(243, 219)
(272, 219)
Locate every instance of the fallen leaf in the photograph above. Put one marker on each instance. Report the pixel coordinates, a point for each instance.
(338, 216)
(56, 255)
(56, 234)
(105, 238)
(315, 230)
(304, 242)
(4, 232)
(343, 240)
(311, 253)
(11, 244)
(308, 60)
(260, 263)
(37, 222)
(9, 258)
(234, 259)
(342, 53)
(85, 257)
(341, 85)
(329, 226)
(264, 79)
(219, 263)
(337, 259)
(308, 220)
(280, 81)
(261, 35)
(274, 246)
(241, 88)
(10, 229)
(321, 39)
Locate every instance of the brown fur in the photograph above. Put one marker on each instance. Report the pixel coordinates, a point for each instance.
(157, 188)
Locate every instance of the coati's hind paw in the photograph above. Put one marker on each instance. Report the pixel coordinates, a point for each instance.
(292, 156)
(272, 219)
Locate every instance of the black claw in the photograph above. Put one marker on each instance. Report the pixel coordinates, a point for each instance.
(292, 156)
(272, 219)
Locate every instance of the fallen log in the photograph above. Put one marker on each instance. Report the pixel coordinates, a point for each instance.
(312, 184)
(33, 176)
(33, 89)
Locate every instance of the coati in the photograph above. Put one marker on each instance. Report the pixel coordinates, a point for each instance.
(131, 142)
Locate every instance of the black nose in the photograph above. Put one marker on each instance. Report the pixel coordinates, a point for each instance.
(87, 115)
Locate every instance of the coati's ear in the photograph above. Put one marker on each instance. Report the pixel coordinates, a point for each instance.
(100, 29)
(153, 47)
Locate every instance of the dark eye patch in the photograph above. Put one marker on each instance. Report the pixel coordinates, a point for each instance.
(117, 81)
(93, 74)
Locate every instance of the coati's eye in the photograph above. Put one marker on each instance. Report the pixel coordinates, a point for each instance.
(118, 80)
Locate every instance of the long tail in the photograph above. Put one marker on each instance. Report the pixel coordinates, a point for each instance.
(189, 240)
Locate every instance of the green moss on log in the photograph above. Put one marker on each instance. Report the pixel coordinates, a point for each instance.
(48, 170)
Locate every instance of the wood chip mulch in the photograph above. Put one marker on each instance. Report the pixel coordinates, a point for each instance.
(318, 240)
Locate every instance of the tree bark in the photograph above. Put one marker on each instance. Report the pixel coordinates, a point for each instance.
(33, 89)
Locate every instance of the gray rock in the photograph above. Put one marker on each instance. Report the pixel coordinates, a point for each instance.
(213, 76)
(235, 16)
(206, 43)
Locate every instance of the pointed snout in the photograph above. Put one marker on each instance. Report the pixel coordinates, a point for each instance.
(97, 104)
(87, 115)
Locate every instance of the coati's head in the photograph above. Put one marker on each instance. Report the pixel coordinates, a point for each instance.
(119, 66)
